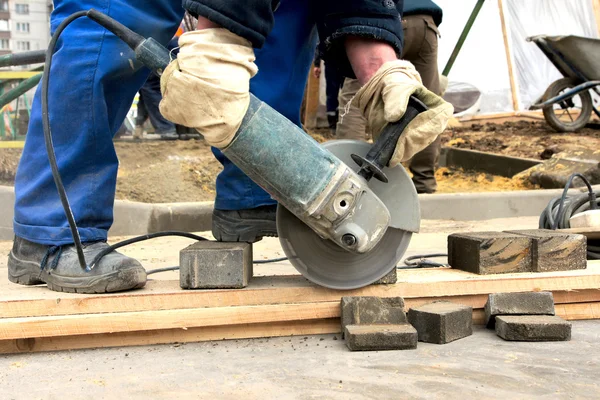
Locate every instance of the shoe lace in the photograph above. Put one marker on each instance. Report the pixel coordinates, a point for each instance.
(52, 250)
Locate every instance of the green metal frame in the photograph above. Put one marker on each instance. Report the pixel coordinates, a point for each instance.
(463, 37)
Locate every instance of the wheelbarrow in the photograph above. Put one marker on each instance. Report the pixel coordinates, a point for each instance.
(567, 103)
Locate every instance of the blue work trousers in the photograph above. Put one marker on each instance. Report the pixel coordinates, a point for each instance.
(93, 81)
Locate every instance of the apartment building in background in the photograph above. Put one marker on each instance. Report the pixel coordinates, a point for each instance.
(24, 25)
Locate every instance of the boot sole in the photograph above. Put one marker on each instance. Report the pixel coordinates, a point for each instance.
(226, 230)
(28, 273)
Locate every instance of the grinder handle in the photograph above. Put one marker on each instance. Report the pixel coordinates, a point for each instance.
(383, 149)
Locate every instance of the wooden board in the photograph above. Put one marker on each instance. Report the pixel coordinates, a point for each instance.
(142, 338)
(69, 325)
(36, 319)
(18, 301)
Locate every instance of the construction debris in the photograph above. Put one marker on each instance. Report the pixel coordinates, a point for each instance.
(442, 322)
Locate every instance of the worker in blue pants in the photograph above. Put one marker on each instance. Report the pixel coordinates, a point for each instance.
(91, 89)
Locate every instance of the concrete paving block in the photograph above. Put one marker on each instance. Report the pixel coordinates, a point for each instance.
(523, 303)
(442, 322)
(372, 310)
(381, 337)
(533, 328)
(389, 279)
(215, 265)
(555, 250)
(489, 252)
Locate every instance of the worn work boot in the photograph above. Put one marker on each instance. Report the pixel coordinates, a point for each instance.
(244, 225)
(58, 266)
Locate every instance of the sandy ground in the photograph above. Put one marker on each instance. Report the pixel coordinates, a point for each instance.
(183, 171)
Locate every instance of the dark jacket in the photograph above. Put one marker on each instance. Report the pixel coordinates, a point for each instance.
(335, 20)
(427, 7)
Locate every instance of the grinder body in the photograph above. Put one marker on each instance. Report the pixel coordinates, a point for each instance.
(308, 180)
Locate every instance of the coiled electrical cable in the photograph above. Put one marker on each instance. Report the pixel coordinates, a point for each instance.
(560, 210)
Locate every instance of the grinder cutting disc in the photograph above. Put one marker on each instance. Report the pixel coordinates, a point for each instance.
(327, 264)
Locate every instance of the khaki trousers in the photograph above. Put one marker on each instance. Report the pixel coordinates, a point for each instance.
(421, 49)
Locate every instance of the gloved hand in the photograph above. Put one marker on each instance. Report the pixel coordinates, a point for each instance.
(207, 86)
(384, 98)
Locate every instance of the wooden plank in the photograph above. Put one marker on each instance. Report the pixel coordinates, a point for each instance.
(69, 325)
(12, 144)
(312, 101)
(143, 338)
(578, 311)
(426, 284)
(509, 60)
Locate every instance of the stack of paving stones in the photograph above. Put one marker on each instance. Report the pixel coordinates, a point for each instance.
(525, 317)
(375, 323)
(535, 250)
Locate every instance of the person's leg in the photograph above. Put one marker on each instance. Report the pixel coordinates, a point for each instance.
(92, 84)
(351, 124)
(152, 96)
(421, 48)
(243, 210)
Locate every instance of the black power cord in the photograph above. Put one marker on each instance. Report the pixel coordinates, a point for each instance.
(272, 260)
(560, 210)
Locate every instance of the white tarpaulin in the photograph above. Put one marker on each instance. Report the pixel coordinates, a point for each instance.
(533, 70)
(482, 61)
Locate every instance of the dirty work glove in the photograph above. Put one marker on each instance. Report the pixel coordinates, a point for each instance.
(384, 98)
(207, 86)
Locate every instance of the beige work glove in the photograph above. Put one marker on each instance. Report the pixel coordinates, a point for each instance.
(384, 98)
(207, 86)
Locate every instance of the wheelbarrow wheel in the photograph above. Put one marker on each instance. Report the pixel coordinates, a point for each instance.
(569, 115)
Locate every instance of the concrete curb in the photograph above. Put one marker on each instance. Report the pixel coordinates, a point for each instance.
(486, 205)
(130, 218)
(133, 218)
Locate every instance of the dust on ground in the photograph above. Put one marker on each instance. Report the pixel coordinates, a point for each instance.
(182, 171)
(525, 138)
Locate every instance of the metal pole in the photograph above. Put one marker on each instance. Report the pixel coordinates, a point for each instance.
(20, 89)
(463, 37)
